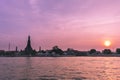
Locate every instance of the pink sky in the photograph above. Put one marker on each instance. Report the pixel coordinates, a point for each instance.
(78, 24)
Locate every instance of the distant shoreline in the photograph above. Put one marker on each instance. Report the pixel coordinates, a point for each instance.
(68, 56)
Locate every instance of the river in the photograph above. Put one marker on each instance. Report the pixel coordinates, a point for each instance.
(59, 68)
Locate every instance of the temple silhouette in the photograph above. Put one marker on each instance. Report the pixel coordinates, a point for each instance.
(28, 50)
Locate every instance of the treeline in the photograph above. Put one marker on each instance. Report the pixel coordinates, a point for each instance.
(56, 51)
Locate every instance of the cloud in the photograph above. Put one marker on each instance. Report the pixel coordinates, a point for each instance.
(34, 6)
(58, 19)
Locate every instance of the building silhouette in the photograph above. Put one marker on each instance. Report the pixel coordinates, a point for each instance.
(16, 49)
(28, 50)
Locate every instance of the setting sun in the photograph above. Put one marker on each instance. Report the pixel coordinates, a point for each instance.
(107, 43)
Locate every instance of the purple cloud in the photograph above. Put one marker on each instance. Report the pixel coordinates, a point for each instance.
(59, 22)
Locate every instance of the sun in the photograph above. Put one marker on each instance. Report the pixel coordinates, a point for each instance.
(107, 43)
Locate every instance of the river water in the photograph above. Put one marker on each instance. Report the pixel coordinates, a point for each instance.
(59, 68)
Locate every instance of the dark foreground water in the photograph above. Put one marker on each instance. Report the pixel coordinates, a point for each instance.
(60, 68)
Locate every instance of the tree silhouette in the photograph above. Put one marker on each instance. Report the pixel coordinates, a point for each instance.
(92, 51)
(57, 50)
(118, 50)
(107, 51)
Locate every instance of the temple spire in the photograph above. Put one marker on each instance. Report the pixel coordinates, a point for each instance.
(28, 49)
(39, 48)
(9, 47)
(29, 42)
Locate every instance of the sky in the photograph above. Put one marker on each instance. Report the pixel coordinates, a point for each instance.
(78, 24)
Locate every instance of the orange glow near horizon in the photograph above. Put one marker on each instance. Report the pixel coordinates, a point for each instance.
(107, 43)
